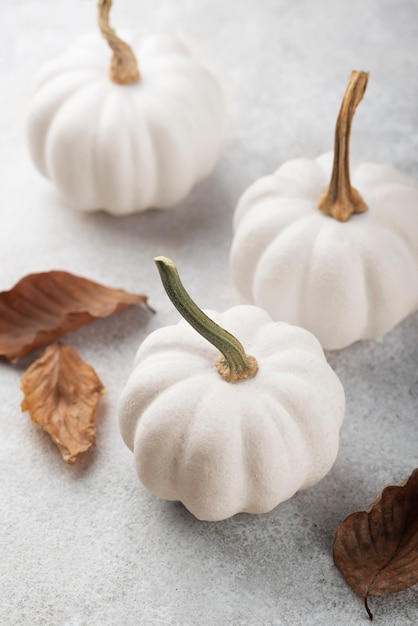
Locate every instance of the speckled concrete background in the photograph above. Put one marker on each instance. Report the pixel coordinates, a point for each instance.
(88, 546)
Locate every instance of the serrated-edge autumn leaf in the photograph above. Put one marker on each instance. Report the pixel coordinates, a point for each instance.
(61, 392)
(376, 550)
(43, 307)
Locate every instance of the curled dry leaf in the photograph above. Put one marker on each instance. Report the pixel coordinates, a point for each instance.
(376, 550)
(61, 393)
(42, 307)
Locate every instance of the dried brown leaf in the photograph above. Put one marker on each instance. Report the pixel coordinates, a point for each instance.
(376, 550)
(61, 393)
(43, 307)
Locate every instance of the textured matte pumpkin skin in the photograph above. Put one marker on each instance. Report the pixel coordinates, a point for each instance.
(342, 281)
(125, 148)
(223, 448)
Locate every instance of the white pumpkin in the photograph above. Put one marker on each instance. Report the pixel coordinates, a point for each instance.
(125, 147)
(342, 280)
(223, 447)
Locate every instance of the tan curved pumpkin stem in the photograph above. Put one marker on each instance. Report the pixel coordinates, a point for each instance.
(340, 199)
(233, 364)
(124, 66)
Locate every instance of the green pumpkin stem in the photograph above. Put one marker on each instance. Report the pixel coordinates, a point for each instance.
(340, 199)
(233, 364)
(124, 66)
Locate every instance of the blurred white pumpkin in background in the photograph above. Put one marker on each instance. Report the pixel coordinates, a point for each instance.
(127, 139)
(340, 264)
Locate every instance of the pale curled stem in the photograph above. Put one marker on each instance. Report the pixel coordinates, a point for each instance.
(340, 199)
(124, 66)
(233, 364)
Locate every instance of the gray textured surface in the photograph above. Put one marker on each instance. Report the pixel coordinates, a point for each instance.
(88, 546)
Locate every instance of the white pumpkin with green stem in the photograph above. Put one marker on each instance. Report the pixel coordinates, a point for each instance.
(347, 271)
(229, 433)
(125, 139)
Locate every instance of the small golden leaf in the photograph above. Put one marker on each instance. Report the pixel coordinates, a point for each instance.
(61, 393)
(376, 550)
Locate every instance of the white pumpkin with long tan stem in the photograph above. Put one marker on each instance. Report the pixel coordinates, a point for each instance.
(125, 139)
(229, 433)
(343, 262)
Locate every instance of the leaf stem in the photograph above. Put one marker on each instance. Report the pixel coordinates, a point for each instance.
(124, 66)
(340, 199)
(366, 605)
(233, 364)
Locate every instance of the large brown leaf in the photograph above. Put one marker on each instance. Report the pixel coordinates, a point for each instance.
(42, 307)
(376, 550)
(61, 393)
